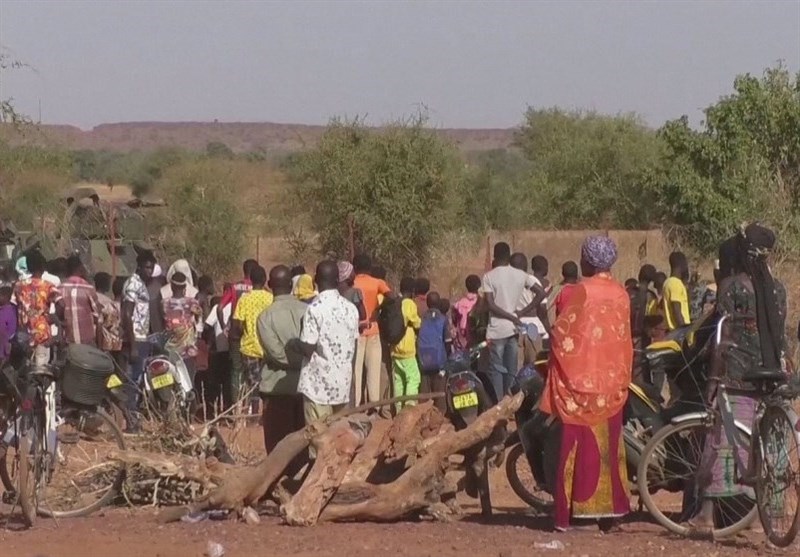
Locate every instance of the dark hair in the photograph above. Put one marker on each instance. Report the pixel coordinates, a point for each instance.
(519, 261)
(473, 284)
(297, 270)
(502, 251)
(362, 263)
(118, 286)
(378, 272)
(205, 283)
(102, 282)
(433, 300)
(177, 278)
(57, 267)
(248, 266)
(258, 276)
(444, 305)
(408, 285)
(631, 283)
(73, 264)
(37, 264)
(6, 291)
(569, 270)
(144, 258)
(647, 273)
(422, 286)
(677, 260)
(539, 264)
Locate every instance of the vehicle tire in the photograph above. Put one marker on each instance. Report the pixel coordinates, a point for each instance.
(101, 433)
(669, 463)
(777, 470)
(522, 482)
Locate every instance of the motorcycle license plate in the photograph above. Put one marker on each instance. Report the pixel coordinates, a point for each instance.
(161, 381)
(467, 400)
(113, 381)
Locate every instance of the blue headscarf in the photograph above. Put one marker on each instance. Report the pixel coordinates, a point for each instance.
(600, 252)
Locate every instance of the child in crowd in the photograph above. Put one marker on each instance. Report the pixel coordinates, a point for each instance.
(432, 347)
(405, 368)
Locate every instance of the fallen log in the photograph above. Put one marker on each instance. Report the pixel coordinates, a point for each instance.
(335, 450)
(423, 486)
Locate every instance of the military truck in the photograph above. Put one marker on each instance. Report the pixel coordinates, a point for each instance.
(108, 235)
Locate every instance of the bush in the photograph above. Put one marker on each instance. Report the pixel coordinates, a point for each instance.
(397, 188)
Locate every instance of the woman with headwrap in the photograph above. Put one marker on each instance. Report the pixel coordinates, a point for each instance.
(587, 386)
(180, 266)
(752, 338)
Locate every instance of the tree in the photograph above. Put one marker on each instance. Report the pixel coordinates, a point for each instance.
(587, 170)
(397, 188)
(202, 222)
(744, 164)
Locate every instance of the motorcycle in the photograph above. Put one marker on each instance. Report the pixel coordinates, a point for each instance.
(467, 396)
(531, 461)
(167, 384)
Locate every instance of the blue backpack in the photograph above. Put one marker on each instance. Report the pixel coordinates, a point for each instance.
(431, 350)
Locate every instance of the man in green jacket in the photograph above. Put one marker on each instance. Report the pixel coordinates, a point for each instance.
(279, 329)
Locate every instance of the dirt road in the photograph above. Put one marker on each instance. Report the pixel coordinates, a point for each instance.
(512, 532)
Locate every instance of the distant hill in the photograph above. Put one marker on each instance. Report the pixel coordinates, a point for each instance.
(239, 136)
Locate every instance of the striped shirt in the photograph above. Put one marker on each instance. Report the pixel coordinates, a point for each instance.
(81, 310)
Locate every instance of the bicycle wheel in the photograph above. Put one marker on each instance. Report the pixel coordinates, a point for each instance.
(668, 468)
(82, 478)
(778, 476)
(522, 482)
(26, 474)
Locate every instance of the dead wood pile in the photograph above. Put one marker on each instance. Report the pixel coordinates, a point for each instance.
(365, 469)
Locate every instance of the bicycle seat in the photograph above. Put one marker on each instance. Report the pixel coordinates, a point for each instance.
(764, 375)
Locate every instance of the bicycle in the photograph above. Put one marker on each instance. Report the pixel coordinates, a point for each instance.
(59, 467)
(671, 459)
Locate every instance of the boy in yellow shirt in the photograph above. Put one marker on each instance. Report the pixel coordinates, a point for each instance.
(405, 369)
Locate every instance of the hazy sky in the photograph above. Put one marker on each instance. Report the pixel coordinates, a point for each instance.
(473, 64)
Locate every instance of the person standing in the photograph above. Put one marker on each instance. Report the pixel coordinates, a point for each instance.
(109, 323)
(8, 322)
(34, 297)
(330, 329)
(136, 328)
(369, 353)
(81, 307)
(463, 341)
(536, 317)
(405, 368)
(586, 390)
(675, 298)
(641, 299)
(245, 328)
(432, 348)
(349, 291)
(279, 328)
(230, 298)
(503, 287)
(182, 313)
(570, 277)
(753, 338)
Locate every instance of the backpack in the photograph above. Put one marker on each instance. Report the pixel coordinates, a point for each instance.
(391, 323)
(431, 350)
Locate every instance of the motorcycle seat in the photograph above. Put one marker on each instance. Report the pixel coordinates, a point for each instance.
(664, 346)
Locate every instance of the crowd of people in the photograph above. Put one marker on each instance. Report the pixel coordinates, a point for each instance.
(304, 347)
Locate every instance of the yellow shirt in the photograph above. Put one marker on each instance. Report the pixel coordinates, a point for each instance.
(248, 308)
(407, 347)
(675, 292)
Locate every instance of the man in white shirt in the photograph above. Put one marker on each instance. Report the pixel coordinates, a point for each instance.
(330, 331)
(503, 287)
